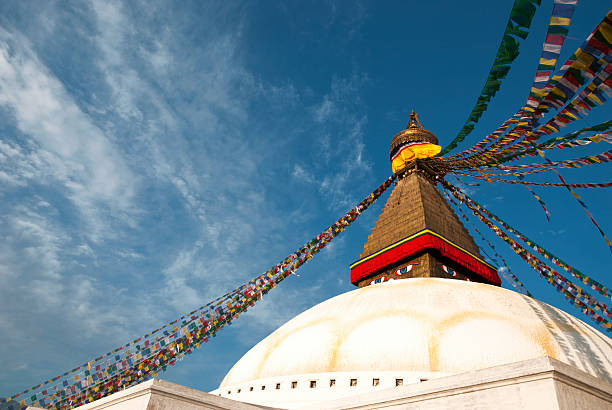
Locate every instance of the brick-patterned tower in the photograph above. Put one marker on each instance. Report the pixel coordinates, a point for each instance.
(417, 233)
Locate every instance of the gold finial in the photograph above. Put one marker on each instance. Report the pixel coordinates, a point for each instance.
(415, 142)
(413, 121)
(414, 132)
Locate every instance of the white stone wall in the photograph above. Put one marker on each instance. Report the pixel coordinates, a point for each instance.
(300, 390)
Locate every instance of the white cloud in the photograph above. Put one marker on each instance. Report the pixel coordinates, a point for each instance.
(189, 128)
(44, 293)
(338, 111)
(40, 242)
(301, 174)
(65, 145)
(10, 179)
(325, 110)
(221, 92)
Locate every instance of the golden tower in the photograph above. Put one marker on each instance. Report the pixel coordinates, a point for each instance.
(417, 234)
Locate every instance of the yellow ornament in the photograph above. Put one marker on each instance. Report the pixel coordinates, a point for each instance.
(411, 151)
(412, 143)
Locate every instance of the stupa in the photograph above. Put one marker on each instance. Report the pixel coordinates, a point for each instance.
(427, 308)
(427, 327)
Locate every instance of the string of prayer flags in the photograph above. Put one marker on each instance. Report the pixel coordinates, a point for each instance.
(507, 272)
(586, 210)
(569, 114)
(527, 183)
(590, 62)
(579, 200)
(144, 358)
(585, 141)
(592, 283)
(110, 359)
(517, 29)
(564, 142)
(542, 204)
(583, 65)
(576, 73)
(605, 156)
(558, 28)
(594, 94)
(575, 295)
(463, 198)
(494, 153)
(556, 33)
(489, 138)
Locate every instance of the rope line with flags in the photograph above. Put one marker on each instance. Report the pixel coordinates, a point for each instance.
(144, 357)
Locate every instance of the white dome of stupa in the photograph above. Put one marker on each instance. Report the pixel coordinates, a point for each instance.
(406, 331)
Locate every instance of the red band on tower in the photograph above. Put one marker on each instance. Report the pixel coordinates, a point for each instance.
(425, 240)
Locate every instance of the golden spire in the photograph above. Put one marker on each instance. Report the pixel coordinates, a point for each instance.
(413, 143)
(414, 122)
(414, 132)
(417, 234)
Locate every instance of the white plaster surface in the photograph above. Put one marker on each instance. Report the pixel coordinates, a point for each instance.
(413, 328)
(536, 384)
(295, 390)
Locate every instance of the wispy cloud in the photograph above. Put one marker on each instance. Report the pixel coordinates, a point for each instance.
(45, 296)
(339, 110)
(301, 174)
(149, 188)
(64, 146)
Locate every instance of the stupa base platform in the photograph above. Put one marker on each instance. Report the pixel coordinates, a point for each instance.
(163, 395)
(537, 384)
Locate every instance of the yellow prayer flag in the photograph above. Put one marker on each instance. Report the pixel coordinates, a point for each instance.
(559, 21)
(585, 58)
(569, 114)
(550, 127)
(548, 61)
(593, 158)
(596, 138)
(606, 30)
(594, 98)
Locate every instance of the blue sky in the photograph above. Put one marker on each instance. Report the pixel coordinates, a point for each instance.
(154, 156)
